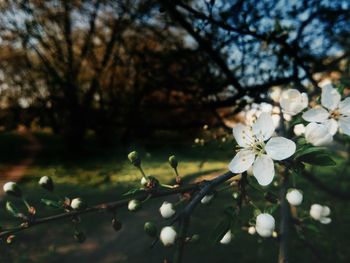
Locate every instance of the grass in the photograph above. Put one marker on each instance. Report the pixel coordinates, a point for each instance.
(101, 174)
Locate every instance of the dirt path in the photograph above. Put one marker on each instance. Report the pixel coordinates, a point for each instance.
(17, 171)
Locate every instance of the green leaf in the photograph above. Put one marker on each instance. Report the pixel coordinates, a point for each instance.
(322, 159)
(308, 150)
(12, 209)
(51, 203)
(133, 191)
(297, 120)
(220, 230)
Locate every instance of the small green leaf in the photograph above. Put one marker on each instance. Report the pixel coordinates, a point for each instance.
(51, 203)
(322, 159)
(309, 149)
(132, 191)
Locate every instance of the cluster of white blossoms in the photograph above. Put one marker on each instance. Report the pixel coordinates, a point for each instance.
(320, 213)
(324, 120)
(256, 152)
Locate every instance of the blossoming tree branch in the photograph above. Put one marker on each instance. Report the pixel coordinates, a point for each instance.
(270, 149)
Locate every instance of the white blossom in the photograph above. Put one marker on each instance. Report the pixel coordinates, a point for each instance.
(318, 134)
(134, 205)
(334, 113)
(299, 129)
(168, 236)
(167, 210)
(207, 198)
(293, 102)
(320, 213)
(77, 203)
(254, 152)
(226, 238)
(294, 197)
(265, 225)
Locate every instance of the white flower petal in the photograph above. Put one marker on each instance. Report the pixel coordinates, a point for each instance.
(263, 170)
(293, 102)
(263, 128)
(326, 211)
(242, 161)
(344, 125)
(316, 115)
(317, 134)
(226, 238)
(344, 107)
(325, 220)
(243, 135)
(330, 97)
(332, 126)
(280, 148)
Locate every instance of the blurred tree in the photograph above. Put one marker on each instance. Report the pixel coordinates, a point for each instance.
(138, 65)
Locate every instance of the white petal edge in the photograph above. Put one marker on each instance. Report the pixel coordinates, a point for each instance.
(263, 128)
(280, 148)
(263, 170)
(330, 97)
(344, 107)
(242, 161)
(332, 126)
(316, 115)
(317, 134)
(344, 125)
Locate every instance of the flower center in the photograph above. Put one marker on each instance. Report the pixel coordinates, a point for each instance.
(335, 114)
(258, 147)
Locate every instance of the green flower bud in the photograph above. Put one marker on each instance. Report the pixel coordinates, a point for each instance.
(46, 183)
(13, 189)
(134, 158)
(78, 204)
(117, 225)
(195, 238)
(134, 205)
(79, 237)
(173, 161)
(151, 229)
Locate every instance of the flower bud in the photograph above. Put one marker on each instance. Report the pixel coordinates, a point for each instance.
(265, 225)
(251, 230)
(226, 238)
(46, 182)
(116, 224)
(134, 158)
(149, 182)
(134, 205)
(79, 237)
(78, 204)
(13, 189)
(151, 229)
(320, 213)
(293, 102)
(167, 210)
(168, 236)
(10, 239)
(207, 198)
(173, 161)
(294, 197)
(195, 238)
